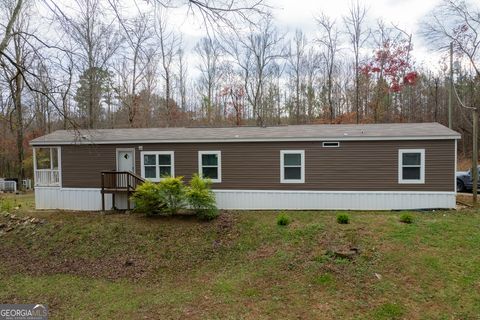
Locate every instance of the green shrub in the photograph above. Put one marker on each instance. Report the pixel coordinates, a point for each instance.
(170, 195)
(283, 219)
(147, 199)
(324, 279)
(406, 218)
(201, 198)
(173, 194)
(343, 218)
(208, 214)
(6, 204)
(390, 311)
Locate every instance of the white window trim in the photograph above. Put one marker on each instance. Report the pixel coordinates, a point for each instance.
(422, 166)
(59, 154)
(219, 165)
(157, 173)
(282, 166)
(330, 144)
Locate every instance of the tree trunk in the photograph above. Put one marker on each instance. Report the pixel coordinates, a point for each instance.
(19, 126)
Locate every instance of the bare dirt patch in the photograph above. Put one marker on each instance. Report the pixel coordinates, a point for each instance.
(22, 260)
(265, 251)
(225, 228)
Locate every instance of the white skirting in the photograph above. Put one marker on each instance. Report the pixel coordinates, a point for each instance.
(333, 200)
(90, 199)
(70, 198)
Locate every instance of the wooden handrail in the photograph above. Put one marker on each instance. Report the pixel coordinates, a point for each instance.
(114, 181)
(127, 172)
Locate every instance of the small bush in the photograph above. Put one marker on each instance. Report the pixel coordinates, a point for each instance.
(406, 218)
(172, 192)
(324, 279)
(6, 204)
(391, 311)
(147, 199)
(283, 219)
(201, 198)
(343, 218)
(208, 214)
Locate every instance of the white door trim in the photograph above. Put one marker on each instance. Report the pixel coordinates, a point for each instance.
(125, 149)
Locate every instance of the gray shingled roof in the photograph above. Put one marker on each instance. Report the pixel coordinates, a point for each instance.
(390, 131)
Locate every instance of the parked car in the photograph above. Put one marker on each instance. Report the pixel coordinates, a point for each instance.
(464, 180)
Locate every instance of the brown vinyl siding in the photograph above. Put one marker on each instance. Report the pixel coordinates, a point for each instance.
(354, 166)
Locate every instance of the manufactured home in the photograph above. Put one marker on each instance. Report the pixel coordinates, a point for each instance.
(348, 167)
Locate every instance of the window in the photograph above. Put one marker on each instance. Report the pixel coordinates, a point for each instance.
(292, 166)
(411, 166)
(331, 144)
(210, 165)
(157, 165)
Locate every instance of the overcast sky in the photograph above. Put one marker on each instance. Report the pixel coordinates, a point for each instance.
(407, 14)
(300, 14)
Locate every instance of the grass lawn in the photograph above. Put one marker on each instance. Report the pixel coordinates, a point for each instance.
(244, 266)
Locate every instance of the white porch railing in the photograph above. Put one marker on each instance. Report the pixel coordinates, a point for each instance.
(47, 177)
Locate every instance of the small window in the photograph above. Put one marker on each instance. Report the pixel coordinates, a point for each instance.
(411, 166)
(157, 165)
(331, 144)
(292, 166)
(210, 165)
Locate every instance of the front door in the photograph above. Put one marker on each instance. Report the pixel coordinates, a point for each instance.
(125, 160)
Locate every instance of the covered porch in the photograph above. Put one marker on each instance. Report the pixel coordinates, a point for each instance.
(47, 167)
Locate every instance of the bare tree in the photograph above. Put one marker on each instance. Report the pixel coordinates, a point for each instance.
(456, 22)
(67, 65)
(406, 107)
(150, 85)
(11, 10)
(138, 33)
(221, 14)
(357, 34)
(232, 93)
(297, 65)
(255, 55)
(18, 54)
(96, 40)
(169, 44)
(182, 79)
(312, 61)
(209, 52)
(329, 41)
(43, 84)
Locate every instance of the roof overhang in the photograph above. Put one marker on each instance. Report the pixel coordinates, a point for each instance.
(344, 138)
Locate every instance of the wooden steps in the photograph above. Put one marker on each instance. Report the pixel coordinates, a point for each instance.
(119, 182)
